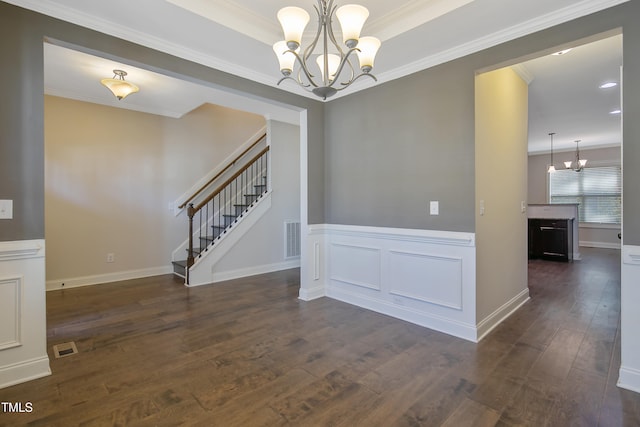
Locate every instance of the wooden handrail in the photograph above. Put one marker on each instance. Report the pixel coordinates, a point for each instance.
(201, 189)
(192, 211)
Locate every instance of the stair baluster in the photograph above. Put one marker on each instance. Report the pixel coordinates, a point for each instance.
(228, 203)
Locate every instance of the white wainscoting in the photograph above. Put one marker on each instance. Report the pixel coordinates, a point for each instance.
(12, 311)
(312, 265)
(422, 276)
(23, 338)
(629, 377)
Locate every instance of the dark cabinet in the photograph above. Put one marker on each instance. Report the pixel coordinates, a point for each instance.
(551, 239)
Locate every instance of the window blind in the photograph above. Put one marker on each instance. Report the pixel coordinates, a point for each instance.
(597, 190)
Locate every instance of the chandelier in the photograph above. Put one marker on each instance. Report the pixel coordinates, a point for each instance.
(118, 86)
(579, 164)
(333, 61)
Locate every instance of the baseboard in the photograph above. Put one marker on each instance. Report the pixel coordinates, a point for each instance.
(98, 279)
(629, 379)
(507, 309)
(602, 245)
(418, 317)
(27, 370)
(254, 270)
(311, 293)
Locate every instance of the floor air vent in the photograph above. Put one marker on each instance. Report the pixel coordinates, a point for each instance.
(291, 239)
(64, 349)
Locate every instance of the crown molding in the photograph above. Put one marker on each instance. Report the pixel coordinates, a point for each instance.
(548, 20)
(92, 22)
(411, 15)
(524, 73)
(235, 17)
(68, 14)
(246, 21)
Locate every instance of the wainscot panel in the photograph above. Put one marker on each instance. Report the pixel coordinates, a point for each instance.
(425, 277)
(23, 338)
(630, 318)
(312, 272)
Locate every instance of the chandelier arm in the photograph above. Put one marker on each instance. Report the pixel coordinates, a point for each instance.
(344, 60)
(309, 50)
(291, 78)
(351, 70)
(346, 85)
(303, 67)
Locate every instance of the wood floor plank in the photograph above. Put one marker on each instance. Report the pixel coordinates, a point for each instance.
(531, 405)
(248, 352)
(579, 401)
(436, 403)
(473, 414)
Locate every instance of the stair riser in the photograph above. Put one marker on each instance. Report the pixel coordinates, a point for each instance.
(229, 219)
(250, 198)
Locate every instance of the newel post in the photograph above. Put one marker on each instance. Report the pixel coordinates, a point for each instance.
(190, 260)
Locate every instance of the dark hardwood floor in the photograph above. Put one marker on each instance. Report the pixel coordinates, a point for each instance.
(249, 353)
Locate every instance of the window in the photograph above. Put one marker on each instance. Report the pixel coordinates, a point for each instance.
(597, 190)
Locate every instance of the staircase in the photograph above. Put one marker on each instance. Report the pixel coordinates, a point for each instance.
(218, 213)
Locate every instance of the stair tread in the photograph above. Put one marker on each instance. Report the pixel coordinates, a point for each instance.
(181, 263)
(196, 251)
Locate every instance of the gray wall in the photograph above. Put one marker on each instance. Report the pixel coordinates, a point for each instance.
(21, 127)
(419, 145)
(21, 109)
(393, 147)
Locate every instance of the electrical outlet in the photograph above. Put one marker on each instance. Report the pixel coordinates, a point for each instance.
(111, 257)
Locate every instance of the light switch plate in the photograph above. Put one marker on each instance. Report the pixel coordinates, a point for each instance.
(6, 209)
(434, 207)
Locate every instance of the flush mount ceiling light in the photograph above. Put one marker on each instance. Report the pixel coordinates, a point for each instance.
(336, 70)
(118, 86)
(579, 164)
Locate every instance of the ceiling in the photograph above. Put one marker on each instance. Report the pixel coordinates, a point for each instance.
(236, 36)
(565, 97)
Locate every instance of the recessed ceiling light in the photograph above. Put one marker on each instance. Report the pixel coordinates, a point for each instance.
(562, 52)
(615, 112)
(607, 85)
